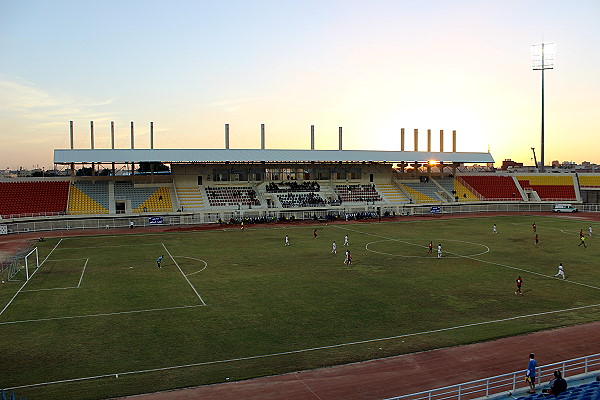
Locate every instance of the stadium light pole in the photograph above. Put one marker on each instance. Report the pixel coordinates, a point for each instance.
(542, 58)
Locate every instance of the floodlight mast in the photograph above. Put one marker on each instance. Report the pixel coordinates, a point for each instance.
(543, 59)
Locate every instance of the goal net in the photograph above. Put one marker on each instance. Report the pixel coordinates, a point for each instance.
(22, 266)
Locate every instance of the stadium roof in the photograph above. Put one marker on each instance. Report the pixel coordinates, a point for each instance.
(66, 156)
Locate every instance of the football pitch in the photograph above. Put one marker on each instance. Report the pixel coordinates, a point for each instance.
(99, 319)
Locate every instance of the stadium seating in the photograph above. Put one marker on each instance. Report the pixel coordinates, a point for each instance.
(590, 391)
(87, 197)
(391, 193)
(550, 187)
(491, 187)
(357, 193)
(159, 201)
(80, 203)
(290, 200)
(22, 198)
(423, 192)
(589, 181)
(463, 193)
(145, 198)
(225, 196)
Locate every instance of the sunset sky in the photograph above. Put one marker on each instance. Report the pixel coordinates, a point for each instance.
(371, 67)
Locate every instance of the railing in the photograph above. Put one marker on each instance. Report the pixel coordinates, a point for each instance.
(508, 382)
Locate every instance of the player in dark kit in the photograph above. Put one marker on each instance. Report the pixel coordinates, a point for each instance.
(430, 251)
(315, 233)
(537, 239)
(519, 283)
(534, 227)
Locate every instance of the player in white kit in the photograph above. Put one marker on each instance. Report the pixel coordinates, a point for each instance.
(561, 271)
(348, 244)
(334, 248)
(440, 250)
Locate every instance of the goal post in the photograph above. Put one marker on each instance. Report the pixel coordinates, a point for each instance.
(24, 265)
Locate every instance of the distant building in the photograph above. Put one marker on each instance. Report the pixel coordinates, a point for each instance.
(510, 164)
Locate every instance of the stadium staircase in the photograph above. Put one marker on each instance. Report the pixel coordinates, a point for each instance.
(189, 198)
(391, 193)
(20, 199)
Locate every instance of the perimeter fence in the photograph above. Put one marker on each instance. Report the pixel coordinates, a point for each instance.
(507, 383)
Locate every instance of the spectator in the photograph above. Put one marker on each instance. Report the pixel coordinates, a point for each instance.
(530, 373)
(557, 385)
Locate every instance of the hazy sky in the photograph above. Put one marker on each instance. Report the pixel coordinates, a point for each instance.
(372, 67)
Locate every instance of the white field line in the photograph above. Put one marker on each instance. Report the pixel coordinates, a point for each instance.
(45, 290)
(109, 246)
(64, 288)
(98, 315)
(299, 351)
(476, 259)
(83, 272)
(27, 281)
(186, 278)
(197, 259)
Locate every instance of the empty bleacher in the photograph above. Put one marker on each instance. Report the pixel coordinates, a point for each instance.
(25, 198)
(589, 181)
(423, 192)
(225, 196)
(550, 187)
(80, 203)
(357, 193)
(491, 187)
(87, 197)
(392, 193)
(145, 198)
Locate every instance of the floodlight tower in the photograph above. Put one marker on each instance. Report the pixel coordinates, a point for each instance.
(542, 57)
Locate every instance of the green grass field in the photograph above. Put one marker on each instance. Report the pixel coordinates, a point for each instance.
(239, 304)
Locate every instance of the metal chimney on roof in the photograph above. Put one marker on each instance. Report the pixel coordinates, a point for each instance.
(402, 139)
(312, 137)
(151, 135)
(454, 141)
(226, 136)
(340, 134)
(416, 140)
(262, 136)
(428, 139)
(112, 134)
(441, 140)
(92, 135)
(71, 133)
(132, 141)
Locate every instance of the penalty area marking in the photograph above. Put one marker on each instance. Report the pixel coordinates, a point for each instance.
(300, 351)
(425, 247)
(27, 281)
(99, 315)
(197, 259)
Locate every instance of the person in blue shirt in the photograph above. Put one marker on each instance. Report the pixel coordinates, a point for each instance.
(158, 260)
(531, 366)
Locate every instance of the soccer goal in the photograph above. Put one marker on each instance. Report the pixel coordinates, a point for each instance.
(23, 266)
